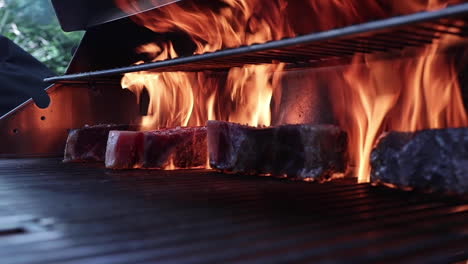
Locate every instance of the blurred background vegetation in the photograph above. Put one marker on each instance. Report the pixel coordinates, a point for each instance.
(32, 25)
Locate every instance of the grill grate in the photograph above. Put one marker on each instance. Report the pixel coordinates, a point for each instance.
(385, 35)
(75, 213)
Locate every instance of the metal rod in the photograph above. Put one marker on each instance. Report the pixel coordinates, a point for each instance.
(346, 32)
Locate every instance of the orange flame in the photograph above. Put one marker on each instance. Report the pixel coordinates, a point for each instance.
(181, 99)
(371, 96)
(398, 94)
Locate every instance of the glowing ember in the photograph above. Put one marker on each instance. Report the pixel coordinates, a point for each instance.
(371, 96)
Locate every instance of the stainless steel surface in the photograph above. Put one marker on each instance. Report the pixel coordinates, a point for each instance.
(387, 35)
(31, 131)
(84, 14)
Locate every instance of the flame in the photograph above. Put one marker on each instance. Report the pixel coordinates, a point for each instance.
(182, 99)
(371, 96)
(400, 94)
(171, 165)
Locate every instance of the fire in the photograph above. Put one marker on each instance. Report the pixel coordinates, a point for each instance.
(399, 94)
(183, 99)
(375, 95)
(369, 97)
(371, 93)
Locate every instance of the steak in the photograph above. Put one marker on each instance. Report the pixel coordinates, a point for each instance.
(433, 160)
(303, 151)
(181, 148)
(89, 143)
(124, 149)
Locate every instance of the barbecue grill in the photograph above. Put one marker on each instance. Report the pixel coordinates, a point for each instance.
(82, 213)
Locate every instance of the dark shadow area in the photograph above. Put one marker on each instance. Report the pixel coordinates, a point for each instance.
(21, 77)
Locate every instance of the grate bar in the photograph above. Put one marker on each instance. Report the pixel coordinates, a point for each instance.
(104, 216)
(397, 31)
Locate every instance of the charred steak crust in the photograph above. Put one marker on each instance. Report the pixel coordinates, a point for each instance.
(433, 160)
(89, 143)
(305, 151)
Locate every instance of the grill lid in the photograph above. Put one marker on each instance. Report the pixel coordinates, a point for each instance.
(79, 15)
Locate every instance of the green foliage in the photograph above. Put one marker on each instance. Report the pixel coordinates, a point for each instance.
(34, 26)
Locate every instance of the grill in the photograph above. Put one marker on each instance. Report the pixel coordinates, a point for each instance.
(58, 213)
(52, 212)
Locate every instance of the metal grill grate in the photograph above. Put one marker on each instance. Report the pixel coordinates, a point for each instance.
(79, 213)
(378, 36)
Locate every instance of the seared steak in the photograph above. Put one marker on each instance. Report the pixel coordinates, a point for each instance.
(304, 151)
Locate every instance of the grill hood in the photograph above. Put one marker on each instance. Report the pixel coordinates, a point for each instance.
(84, 14)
